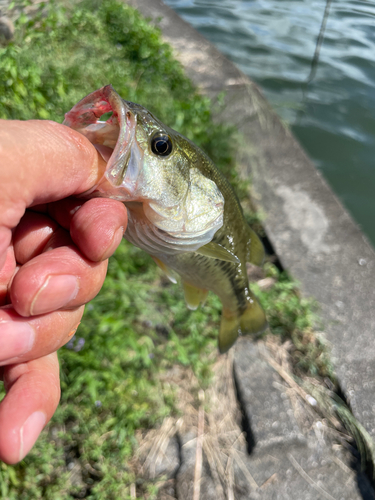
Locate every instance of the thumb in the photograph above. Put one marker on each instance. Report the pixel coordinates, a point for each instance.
(41, 162)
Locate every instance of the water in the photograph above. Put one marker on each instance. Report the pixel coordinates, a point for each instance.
(330, 106)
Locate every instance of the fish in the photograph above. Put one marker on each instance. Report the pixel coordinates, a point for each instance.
(181, 208)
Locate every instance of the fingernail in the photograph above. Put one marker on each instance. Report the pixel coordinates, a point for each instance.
(57, 291)
(16, 338)
(30, 431)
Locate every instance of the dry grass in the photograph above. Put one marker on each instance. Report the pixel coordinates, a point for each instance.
(307, 409)
(215, 419)
(317, 407)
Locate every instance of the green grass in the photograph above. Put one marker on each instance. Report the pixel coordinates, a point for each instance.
(138, 327)
(58, 59)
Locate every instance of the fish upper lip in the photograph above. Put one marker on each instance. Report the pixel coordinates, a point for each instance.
(84, 117)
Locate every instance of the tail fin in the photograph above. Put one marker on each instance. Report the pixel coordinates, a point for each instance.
(252, 320)
(229, 330)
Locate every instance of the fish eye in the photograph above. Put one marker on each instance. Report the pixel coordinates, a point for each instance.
(161, 144)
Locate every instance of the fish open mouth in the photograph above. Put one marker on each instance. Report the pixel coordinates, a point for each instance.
(113, 138)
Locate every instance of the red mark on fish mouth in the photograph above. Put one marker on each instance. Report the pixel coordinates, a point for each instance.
(92, 107)
(113, 138)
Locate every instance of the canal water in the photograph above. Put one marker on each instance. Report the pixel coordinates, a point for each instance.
(322, 86)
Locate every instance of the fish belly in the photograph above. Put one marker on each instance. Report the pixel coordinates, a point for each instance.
(241, 310)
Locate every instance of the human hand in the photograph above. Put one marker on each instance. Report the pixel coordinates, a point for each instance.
(53, 259)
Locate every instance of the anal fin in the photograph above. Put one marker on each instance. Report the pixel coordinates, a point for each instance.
(194, 296)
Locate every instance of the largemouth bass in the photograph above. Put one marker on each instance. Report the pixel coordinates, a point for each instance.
(181, 209)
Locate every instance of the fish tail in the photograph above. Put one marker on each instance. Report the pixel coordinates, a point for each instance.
(229, 329)
(252, 320)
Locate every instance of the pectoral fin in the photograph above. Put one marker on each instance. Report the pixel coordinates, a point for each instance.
(216, 251)
(194, 296)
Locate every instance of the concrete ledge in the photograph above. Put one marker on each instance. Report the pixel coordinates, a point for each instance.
(266, 408)
(313, 235)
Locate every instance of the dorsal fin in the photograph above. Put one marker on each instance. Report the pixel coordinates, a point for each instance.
(254, 248)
